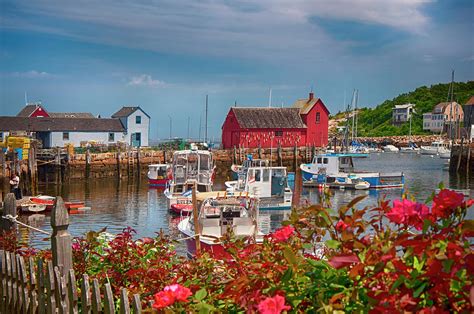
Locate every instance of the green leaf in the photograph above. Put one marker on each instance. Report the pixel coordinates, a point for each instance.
(420, 289)
(332, 244)
(200, 294)
(426, 225)
(290, 256)
(397, 283)
(287, 275)
(447, 264)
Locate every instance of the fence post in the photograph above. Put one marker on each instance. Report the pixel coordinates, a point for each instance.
(9, 208)
(61, 238)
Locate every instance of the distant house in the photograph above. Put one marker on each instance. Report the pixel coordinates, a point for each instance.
(33, 110)
(444, 117)
(129, 125)
(57, 132)
(402, 113)
(137, 123)
(306, 123)
(469, 117)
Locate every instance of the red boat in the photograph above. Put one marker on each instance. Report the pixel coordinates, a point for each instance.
(49, 202)
(159, 175)
(182, 209)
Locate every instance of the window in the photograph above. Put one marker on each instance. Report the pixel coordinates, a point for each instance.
(138, 119)
(1, 136)
(325, 161)
(318, 117)
(111, 137)
(278, 133)
(138, 137)
(65, 136)
(257, 175)
(266, 175)
(319, 160)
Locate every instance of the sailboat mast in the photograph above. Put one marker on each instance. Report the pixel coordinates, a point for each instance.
(353, 116)
(355, 112)
(205, 132)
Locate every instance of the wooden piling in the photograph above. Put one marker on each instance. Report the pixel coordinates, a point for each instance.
(33, 168)
(61, 238)
(460, 155)
(9, 208)
(197, 227)
(58, 167)
(297, 190)
(138, 162)
(117, 158)
(295, 158)
(88, 166)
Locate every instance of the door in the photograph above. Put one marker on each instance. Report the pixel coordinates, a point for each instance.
(136, 139)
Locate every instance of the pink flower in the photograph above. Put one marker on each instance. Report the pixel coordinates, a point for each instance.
(283, 234)
(409, 213)
(341, 225)
(170, 295)
(273, 305)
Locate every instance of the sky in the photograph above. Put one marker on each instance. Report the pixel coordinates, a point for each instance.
(166, 56)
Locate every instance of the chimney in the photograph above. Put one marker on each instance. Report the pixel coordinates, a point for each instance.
(311, 96)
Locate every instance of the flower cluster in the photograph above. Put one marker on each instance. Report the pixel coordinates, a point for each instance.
(283, 234)
(274, 305)
(170, 295)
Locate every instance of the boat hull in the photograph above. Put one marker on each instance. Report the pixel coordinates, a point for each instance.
(158, 182)
(182, 209)
(376, 180)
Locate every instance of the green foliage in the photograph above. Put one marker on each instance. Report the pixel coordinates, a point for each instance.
(377, 121)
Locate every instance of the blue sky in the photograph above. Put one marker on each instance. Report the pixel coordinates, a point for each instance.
(165, 56)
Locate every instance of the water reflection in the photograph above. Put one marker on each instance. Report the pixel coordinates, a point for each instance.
(116, 204)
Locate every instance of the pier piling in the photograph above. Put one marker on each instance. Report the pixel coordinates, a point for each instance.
(9, 208)
(61, 241)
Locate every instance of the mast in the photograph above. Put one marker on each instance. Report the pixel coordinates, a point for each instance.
(188, 126)
(270, 98)
(355, 112)
(450, 96)
(205, 132)
(353, 115)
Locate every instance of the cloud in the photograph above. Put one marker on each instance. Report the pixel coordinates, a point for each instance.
(243, 28)
(33, 74)
(145, 80)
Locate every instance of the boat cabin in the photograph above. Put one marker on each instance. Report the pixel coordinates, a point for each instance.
(218, 215)
(192, 166)
(332, 164)
(263, 181)
(158, 171)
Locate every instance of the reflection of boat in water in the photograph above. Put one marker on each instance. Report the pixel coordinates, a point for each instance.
(218, 215)
(268, 184)
(189, 167)
(158, 175)
(332, 168)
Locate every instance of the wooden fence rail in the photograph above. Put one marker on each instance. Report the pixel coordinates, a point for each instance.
(38, 286)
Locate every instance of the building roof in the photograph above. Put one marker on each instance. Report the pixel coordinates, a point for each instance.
(305, 105)
(71, 115)
(60, 124)
(268, 118)
(29, 109)
(404, 106)
(441, 106)
(126, 111)
(470, 102)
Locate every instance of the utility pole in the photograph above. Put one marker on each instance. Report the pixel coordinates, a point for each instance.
(188, 126)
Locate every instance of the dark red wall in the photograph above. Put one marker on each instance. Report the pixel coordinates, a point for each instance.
(39, 112)
(317, 132)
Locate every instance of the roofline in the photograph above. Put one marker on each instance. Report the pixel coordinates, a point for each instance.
(136, 108)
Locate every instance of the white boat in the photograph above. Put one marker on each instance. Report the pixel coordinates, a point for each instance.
(33, 208)
(159, 174)
(351, 182)
(436, 148)
(189, 167)
(390, 149)
(332, 168)
(219, 214)
(269, 184)
(411, 148)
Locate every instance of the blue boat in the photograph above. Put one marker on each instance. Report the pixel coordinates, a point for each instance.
(331, 168)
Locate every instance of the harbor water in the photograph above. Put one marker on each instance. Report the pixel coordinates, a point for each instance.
(131, 203)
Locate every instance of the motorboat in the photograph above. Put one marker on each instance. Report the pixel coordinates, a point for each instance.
(351, 182)
(331, 168)
(32, 208)
(221, 214)
(268, 183)
(411, 148)
(158, 175)
(249, 162)
(390, 149)
(436, 148)
(189, 168)
(47, 202)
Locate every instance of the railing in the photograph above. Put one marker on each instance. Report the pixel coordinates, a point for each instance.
(39, 286)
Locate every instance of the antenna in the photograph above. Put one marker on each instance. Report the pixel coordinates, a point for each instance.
(26, 99)
(270, 98)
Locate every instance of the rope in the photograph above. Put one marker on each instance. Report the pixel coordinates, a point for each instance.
(187, 238)
(14, 219)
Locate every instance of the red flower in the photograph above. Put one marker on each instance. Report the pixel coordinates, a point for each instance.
(409, 213)
(445, 202)
(283, 234)
(273, 305)
(170, 295)
(341, 225)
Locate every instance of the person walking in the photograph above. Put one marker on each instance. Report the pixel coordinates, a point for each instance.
(15, 185)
